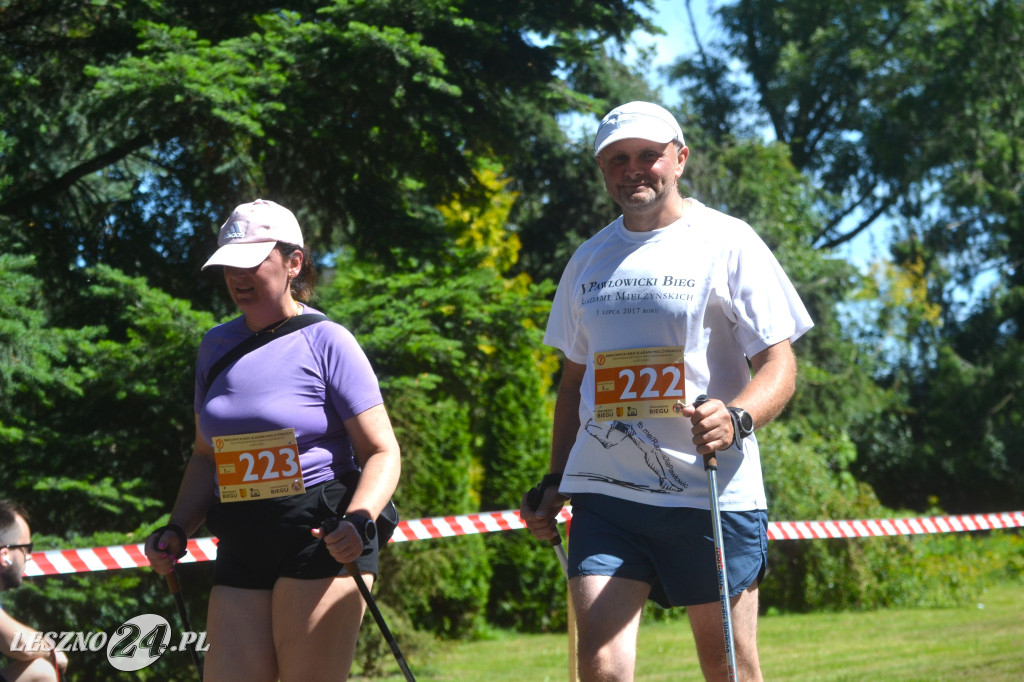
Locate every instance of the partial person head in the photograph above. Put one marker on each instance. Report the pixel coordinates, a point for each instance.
(641, 152)
(253, 232)
(15, 544)
(641, 121)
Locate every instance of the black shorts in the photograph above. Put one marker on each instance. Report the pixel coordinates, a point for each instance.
(259, 541)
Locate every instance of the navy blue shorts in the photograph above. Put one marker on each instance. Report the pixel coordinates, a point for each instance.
(670, 548)
(260, 541)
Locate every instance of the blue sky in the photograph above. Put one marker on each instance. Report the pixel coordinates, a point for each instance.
(671, 16)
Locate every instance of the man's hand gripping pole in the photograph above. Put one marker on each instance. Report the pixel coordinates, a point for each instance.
(533, 499)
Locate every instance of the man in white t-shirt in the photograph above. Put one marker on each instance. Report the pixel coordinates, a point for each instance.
(670, 301)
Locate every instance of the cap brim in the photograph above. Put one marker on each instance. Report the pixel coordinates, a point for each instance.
(627, 133)
(241, 255)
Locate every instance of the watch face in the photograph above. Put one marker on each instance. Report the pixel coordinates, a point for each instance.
(743, 421)
(366, 527)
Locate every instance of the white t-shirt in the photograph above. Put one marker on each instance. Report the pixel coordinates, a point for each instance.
(706, 284)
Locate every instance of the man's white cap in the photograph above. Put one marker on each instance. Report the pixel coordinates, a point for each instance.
(251, 233)
(637, 120)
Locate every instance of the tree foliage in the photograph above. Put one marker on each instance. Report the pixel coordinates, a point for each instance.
(170, 113)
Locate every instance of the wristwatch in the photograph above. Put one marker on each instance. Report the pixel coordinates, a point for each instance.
(365, 526)
(742, 424)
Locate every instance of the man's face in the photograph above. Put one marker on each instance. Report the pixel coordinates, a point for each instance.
(13, 559)
(639, 174)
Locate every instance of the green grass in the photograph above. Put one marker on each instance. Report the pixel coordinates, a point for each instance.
(982, 642)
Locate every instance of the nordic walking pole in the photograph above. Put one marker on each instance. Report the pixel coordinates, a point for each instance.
(533, 499)
(371, 604)
(711, 467)
(175, 587)
(328, 526)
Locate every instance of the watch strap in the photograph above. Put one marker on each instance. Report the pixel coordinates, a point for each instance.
(364, 525)
(739, 431)
(178, 531)
(534, 494)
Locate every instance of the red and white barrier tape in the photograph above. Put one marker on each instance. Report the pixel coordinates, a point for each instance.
(60, 561)
(822, 530)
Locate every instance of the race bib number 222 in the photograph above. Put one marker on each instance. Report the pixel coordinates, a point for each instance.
(639, 383)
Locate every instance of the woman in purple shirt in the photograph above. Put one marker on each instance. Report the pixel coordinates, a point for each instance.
(289, 434)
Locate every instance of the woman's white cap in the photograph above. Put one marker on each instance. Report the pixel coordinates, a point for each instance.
(637, 120)
(251, 233)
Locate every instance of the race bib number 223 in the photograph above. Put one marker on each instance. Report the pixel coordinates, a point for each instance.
(253, 466)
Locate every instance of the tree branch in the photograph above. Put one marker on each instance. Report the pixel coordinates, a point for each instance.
(19, 203)
(863, 225)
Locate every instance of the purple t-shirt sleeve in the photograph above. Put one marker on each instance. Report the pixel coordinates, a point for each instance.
(311, 380)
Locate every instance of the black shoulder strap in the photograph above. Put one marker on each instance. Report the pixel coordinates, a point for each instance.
(294, 323)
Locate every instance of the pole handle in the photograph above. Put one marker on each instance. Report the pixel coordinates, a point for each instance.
(710, 459)
(533, 498)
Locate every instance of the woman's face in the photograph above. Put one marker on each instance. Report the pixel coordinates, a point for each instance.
(267, 285)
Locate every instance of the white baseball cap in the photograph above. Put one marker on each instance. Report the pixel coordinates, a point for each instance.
(637, 120)
(251, 233)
